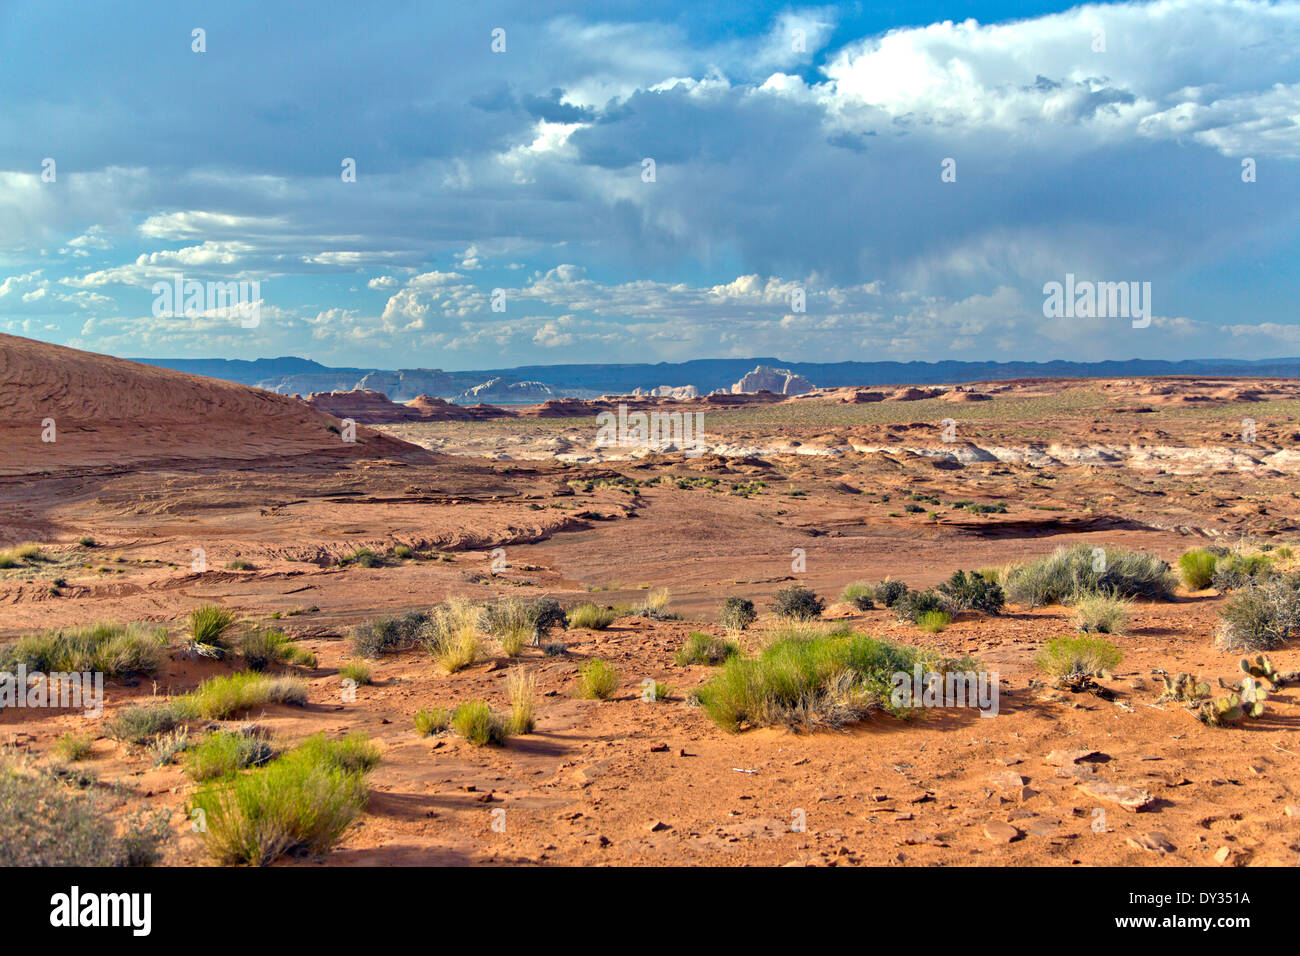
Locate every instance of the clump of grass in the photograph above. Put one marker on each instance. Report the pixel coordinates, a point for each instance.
(210, 625)
(301, 801)
(364, 558)
(356, 671)
(1196, 568)
(798, 603)
(701, 648)
(239, 564)
(1237, 570)
(455, 639)
(808, 682)
(385, 635)
(1072, 572)
(591, 616)
(141, 723)
(510, 621)
(1074, 658)
(225, 752)
(266, 647)
(432, 721)
(402, 551)
(860, 594)
(655, 606)
(45, 823)
(475, 721)
(1260, 617)
(230, 694)
(889, 591)
(116, 650)
(737, 614)
(167, 747)
(910, 606)
(521, 687)
(555, 649)
(86, 542)
(353, 753)
(656, 691)
(1101, 614)
(22, 554)
(73, 746)
(597, 679)
(932, 622)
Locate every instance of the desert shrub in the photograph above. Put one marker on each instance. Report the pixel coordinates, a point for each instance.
(356, 671)
(401, 551)
(971, 591)
(555, 649)
(301, 801)
(1196, 568)
(227, 751)
(591, 616)
(655, 691)
(210, 625)
(86, 542)
(239, 564)
(813, 682)
(1069, 658)
(798, 603)
(455, 635)
(141, 723)
(27, 553)
(230, 694)
(889, 591)
(363, 557)
(932, 622)
(432, 721)
(387, 634)
(1260, 617)
(353, 753)
(597, 679)
(701, 648)
(521, 687)
(510, 621)
(165, 748)
(1072, 572)
(476, 723)
(737, 613)
(43, 823)
(1101, 614)
(860, 594)
(116, 650)
(264, 647)
(1234, 571)
(913, 604)
(73, 746)
(655, 606)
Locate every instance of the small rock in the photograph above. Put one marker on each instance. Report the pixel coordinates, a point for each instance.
(1292, 810)
(1154, 842)
(1223, 854)
(659, 826)
(658, 748)
(1130, 798)
(1007, 781)
(1061, 758)
(1000, 832)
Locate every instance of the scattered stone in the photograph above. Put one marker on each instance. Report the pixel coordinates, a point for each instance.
(1130, 798)
(1154, 842)
(1223, 854)
(1292, 810)
(659, 826)
(1007, 781)
(1000, 832)
(1061, 758)
(658, 748)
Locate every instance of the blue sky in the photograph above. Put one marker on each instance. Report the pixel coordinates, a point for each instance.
(795, 148)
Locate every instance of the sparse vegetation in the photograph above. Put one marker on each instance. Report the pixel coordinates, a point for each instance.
(798, 603)
(475, 721)
(521, 687)
(913, 604)
(385, 635)
(597, 679)
(225, 696)
(1102, 614)
(1196, 568)
(1234, 571)
(432, 720)
(23, 554)
(455, 635)
(655, 606)
(737, 614)
(356, 671)
(226, 752)
(860, 594)
(73, 746)
(888, 592)
(1075, 658)
(239, 564)
(267, 647)
(932, 622)
(591, 616)
(511, 621)
(971, 591)
(141, 723)
(1070, 573)
(210, 624)
(1260, 617)
(807, 683)
(116, 650)
(701, 648)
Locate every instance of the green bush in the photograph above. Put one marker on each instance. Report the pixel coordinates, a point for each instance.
(1235, 571)
(889, 591)
(210, 624)
(910, 606)
(1100, 614)
(356, 671)
(812, 682)
(432, 721)
(225, 696)
(597, 679)
(227, 751)
(971, 591)
(701, 648)
(860, 594)
(1260, 617)
(476, 723)
(74, 746)
(798, 603)
(932, 622)
(737, 613)
(116, 650)
(591, 616)
(1072, 572)
(141, 723)
(265, 647)
(1071, 658)
(1196, 568)
(387, 634)
(301, 801)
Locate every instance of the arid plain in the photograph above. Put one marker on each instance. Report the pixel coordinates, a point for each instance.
(151, 470)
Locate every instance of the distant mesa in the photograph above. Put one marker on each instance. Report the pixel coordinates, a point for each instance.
(678, 392)
(369, 407)
(782, 381)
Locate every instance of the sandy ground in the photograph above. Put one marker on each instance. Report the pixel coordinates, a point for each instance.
(628, 781)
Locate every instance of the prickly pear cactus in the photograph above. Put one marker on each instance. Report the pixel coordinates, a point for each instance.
(1263, 668)
(1184, 688)
(1222, 711)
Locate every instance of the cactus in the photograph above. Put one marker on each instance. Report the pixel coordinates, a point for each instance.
(1184, 688)
(1230, 711)
(1263, 667)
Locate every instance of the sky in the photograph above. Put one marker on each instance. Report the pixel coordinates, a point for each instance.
(545, 183)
